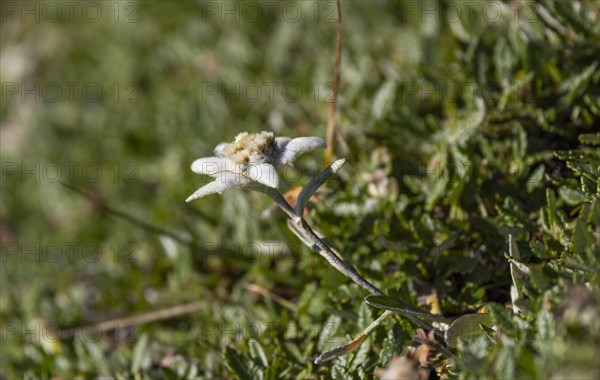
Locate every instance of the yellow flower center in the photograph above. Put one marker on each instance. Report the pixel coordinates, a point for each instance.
(251, 145)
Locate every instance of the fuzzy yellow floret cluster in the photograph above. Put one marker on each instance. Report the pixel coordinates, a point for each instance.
(248, 146)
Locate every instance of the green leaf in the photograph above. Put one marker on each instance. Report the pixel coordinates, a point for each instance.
(545, 325)
(238, 364)
(392, 344)
(467, 327)
(258, 353)
(539, 250)
(354, 343)
(535, 179)
(518, 271)
(502, 318)
(582, 238)
(311, 188)
(571, 196)
(550, 219)
(513, 214)
(362, 354)
(505, 363)
(590, 139)
(274, 370)
(540, 280)
(327, 337)
(459, 130)
(400, 306)
(364, 316)
(338, 372)
(437, 178)
(589, 186)
(582, 162)
(577, 84)
(140, 352)
(383, 99)
(520, 142)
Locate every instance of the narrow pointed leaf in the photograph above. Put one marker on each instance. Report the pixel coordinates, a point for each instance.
(354, 344)
(403, 307)
(317, 182)
(258, 353)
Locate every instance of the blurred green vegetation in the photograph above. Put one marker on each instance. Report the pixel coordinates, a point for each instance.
(463, 122)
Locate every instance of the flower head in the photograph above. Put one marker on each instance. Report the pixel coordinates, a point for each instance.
(250, 158)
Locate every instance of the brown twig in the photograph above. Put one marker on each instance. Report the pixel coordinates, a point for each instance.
(267, 294)
(336, 83)
(153, 316)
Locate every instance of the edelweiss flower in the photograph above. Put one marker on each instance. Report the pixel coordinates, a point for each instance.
(250, 158)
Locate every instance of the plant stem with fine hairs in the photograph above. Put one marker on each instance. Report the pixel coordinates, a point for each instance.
(309, 237)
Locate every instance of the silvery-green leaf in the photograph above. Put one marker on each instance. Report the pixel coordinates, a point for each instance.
(314, 185)
(220, 184)
(265, 174)
(213, 166)
(300, 234)
(220, 149)
(295, 147)
(281, 142)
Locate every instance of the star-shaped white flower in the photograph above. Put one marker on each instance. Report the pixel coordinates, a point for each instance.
(250, 158)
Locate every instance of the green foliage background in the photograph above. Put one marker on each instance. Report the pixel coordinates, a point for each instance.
(459, 131)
